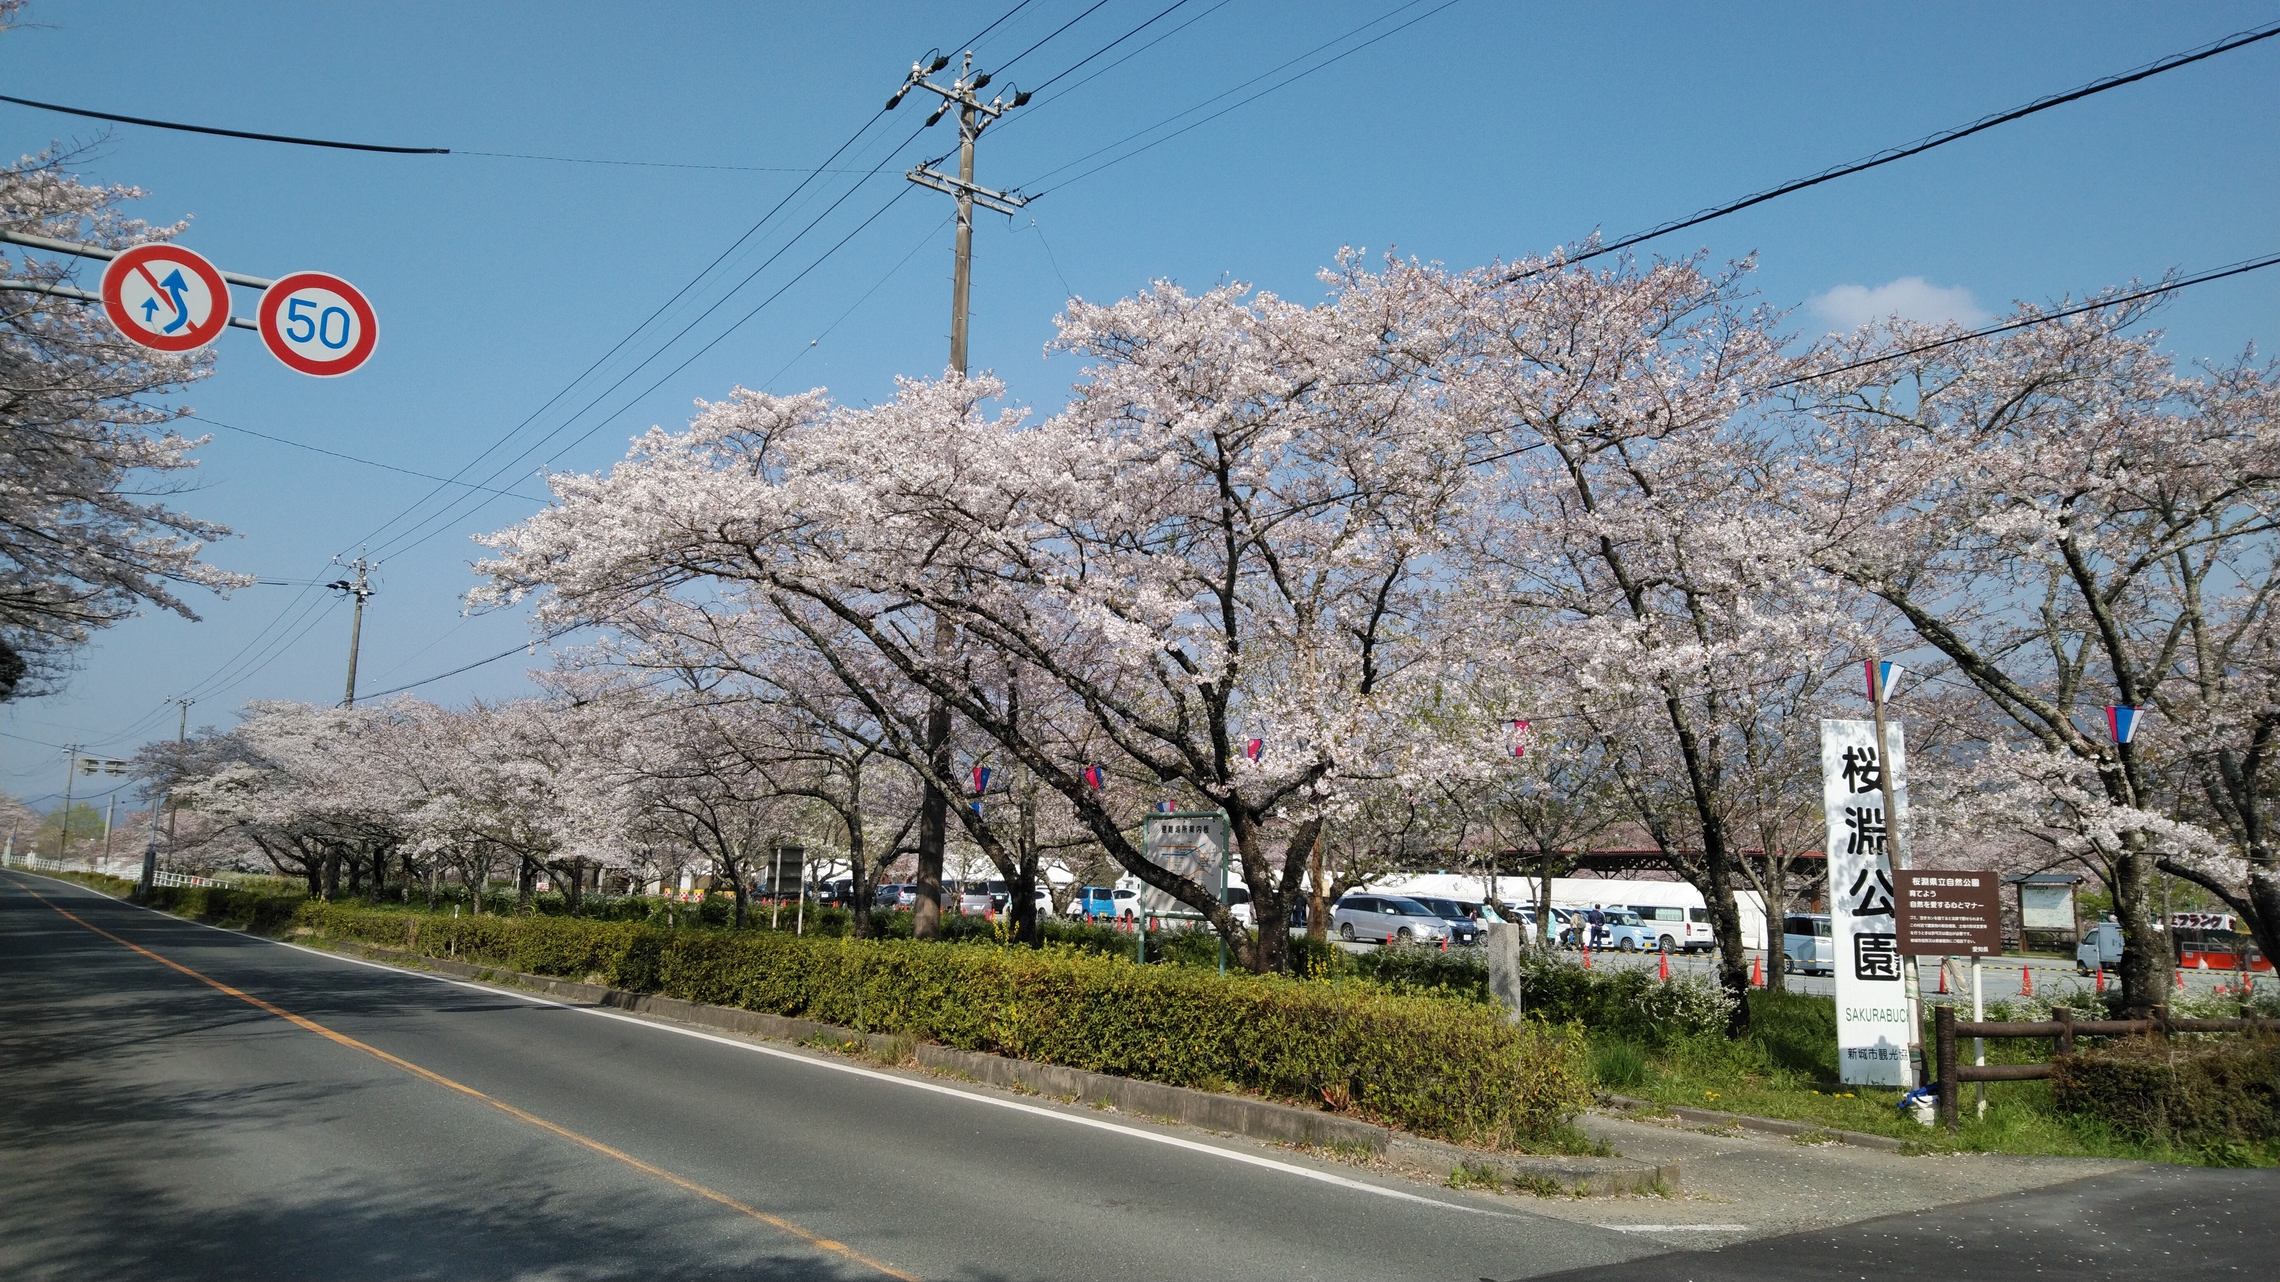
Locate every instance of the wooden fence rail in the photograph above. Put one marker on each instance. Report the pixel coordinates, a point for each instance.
(2063, 1030)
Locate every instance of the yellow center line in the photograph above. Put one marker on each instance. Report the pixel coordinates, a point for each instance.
(816, 1240)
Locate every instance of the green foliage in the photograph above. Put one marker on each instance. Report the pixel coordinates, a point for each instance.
(1457, 1070)
(2156, 1090)
(258, 911)
(86, 824)
(1629, 1002)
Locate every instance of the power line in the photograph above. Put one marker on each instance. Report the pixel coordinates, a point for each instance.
(524, 648)
(1922, 145)
(630, 335)
(401, 547)
(226, 133)
(1140, 133)
(390, 467)
(1007, 65)
(2166, 287)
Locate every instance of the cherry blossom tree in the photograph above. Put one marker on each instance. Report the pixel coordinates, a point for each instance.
(85, 458)
(2068, 522)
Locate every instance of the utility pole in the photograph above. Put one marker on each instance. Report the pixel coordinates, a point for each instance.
(360, 588)
(70, 771)
(974, 116)
(182, 732)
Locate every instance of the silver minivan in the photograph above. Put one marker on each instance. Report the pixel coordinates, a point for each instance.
(1807, 945)
(1384, 919)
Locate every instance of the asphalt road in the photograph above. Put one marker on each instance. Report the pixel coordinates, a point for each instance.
(284, 1113)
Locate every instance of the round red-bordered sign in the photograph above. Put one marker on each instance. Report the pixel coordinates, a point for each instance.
(318, 324)
(166, 298)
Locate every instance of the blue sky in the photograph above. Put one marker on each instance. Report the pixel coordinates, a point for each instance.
(1485, 129)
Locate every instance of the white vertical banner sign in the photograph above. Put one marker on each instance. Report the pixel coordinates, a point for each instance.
(1190, 843)
(1872, 995)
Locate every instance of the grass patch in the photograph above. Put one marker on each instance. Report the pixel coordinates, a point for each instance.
(1786, 1069)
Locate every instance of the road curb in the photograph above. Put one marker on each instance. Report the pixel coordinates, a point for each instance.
(1228, 1114)
(1769, 1125)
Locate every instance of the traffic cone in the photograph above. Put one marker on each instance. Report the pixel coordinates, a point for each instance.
(1757, 972)
(2179, 976)
(1587, 956)
(1665, 964)
(2101, 984)
(1943, 981)
(1444, 943)
(2026, 981)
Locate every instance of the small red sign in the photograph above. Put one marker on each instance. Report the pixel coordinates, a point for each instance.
(318, 324)
(165, 298)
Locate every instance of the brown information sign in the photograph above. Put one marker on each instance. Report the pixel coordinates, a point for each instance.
(1945, 913)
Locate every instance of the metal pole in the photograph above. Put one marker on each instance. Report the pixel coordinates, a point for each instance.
(110, 812)
(1978, 1044)
(150, 853)
(361, 589)
(1897, 852)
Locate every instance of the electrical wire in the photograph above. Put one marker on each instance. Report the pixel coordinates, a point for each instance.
(389, 467)
(451, 513)
(2237, 40)
(524, 648)
(876, 285)
(2099, 304)
(400, 547)
(225, 133)
(1140, 133)
(1007, 65)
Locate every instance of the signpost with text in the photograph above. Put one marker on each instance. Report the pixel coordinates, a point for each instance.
(1945, 913)
(1872, 996)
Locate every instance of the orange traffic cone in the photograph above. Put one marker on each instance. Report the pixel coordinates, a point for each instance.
(1444, 943)
(2179, 976)
(1943, 981)
(1757, 972)
(1587, 956)
(1665, 963)
(2026, 981)
(2101, 984)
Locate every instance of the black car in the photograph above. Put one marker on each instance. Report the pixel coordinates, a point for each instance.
(1464, 928)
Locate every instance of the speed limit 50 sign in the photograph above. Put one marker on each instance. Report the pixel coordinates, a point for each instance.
(318, 324)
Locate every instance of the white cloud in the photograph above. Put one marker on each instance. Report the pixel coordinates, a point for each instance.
(1910, 298)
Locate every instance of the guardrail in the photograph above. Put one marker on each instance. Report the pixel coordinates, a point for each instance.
(2063, 1030)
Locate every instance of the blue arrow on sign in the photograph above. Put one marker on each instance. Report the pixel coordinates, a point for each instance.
(176, 287)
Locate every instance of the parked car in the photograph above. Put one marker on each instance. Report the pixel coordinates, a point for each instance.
(1626, 932)
(895, 894)
(1807, 944)
(1089, 901)
(971, 897)
(1386, 918)
(1124, 901)
(2100, 949)
(1239, 904)
(1675, 929)
(1463, 929)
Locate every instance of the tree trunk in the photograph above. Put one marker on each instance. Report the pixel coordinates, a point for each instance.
(2146, 957)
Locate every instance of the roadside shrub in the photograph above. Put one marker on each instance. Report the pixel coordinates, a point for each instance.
(2179, 1092)
(1424, 969)
(1629, 1002)
(258, 910)
(1457, 1070)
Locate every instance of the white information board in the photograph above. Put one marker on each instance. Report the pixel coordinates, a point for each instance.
(1192, 844)
(1872, 994)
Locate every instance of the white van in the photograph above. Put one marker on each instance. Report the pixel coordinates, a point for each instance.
(1808, 944)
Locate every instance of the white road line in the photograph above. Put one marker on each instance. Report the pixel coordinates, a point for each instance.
(1174, 1141)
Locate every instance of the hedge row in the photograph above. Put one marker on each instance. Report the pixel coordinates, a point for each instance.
(2187, 1092)
(253, 910)
(1457, 1070)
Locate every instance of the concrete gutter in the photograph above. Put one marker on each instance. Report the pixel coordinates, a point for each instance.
(1769, 1125)
(1228, 1114)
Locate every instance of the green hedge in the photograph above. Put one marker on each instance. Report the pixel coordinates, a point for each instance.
(250, 909)
(2182, 1092)
(1457, 1070)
